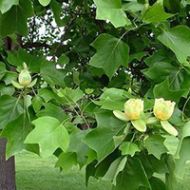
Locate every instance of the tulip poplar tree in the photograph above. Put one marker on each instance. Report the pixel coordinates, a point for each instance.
(102, 85)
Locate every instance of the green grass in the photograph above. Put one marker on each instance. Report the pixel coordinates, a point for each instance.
(34, 173)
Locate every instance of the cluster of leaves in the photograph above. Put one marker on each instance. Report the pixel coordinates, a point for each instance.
(102, 53)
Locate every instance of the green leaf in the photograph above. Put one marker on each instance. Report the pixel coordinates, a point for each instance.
(129, 148)
(101, 140)
(111, 10)
(133, 177)
(139, 125)
(17, 58)
(52, 75)
(70, 96)
(44, 2)
(111, 53)
(157, 184)
(7, 90)
(48, 95)
(52, 110)
(163, 90)
(115, 168)
(15, 20)
(164, 68)
(37, 103)
(156, 14)
(79, 147)
(185, 130)
(171, 143)
(2, 70)
(178, 79)
(155, 145)
(66, 161)
(10, 109)
(113, 99)
(133, 6)
(63, 59)
(50, 134)
(9, 77)
(182, 164)
(169, 128)
(106, 118)
(178, 40)
(5, 5)
(57, 11)
(15, 133)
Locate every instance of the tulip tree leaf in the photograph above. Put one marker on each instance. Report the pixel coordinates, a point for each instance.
(67, 160)
(5, 5)
(133, 176)
(101, 140)
(112, 99)
(51, 75)
(186, 130)
(15, 20)
(17, 58)
(70, 96)
(183, 163)
(178, 40)
(78, 146)
(15, 133)
(50, 134)
(106, 118)
(156, 14)
(128, 148)
(111, 53)
(115, 168)
(53, 111)
(155, 145)
(164, 71)
(10, 109)
(111, 10)
(163, 90)
(57, 11)
(171, 143)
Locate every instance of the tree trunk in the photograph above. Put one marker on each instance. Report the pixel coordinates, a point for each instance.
(7, 169)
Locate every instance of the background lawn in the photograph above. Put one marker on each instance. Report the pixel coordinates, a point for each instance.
(34, 173)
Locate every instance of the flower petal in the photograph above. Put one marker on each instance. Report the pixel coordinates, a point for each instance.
(139, 125)
(169, 128)
(32, 83)
(16, 85)
(120, 115)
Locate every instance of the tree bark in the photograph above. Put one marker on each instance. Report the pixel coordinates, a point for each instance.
(7, 169)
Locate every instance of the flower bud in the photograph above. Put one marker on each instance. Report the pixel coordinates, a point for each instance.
(24, 77)
(133, 109)
(163, 109)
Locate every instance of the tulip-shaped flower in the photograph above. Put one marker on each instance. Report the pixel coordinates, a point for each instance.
(133, 109)
(163, 110)
(24, 79)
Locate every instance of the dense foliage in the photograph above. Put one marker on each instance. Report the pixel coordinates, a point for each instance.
(88, 80)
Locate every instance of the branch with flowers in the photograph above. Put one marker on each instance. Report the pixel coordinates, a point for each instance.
(134, 113)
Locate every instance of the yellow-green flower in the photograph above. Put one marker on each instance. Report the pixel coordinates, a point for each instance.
(163, 109)
(133, 109)
(24, 79)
